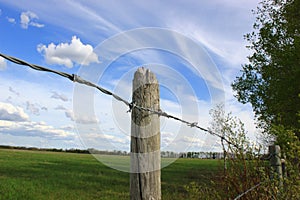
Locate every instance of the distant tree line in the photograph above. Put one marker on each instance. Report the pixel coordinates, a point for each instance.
(164, 154)
(72, 150)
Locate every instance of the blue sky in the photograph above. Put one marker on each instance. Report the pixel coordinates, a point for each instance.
(44, 110)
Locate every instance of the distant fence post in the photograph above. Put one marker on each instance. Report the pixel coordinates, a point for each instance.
(275, 162)
(145, 181)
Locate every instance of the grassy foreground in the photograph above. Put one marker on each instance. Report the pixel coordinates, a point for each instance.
(50, 175)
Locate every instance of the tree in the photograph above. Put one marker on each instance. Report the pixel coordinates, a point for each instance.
(217, 125)
(231, 128)
(270, 81)
(247, 165)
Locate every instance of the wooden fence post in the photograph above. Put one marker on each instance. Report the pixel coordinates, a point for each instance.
(145, 181)
(275, 162)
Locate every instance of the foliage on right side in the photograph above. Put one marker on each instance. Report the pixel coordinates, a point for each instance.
(246, 172)
(270, 81)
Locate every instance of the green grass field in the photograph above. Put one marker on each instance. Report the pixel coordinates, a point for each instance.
(50, 175)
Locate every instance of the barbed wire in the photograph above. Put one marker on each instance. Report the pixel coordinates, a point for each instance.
(259, 184)
(249, 190)
(131, 105)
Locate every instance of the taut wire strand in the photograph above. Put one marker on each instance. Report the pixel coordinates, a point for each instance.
(78, 79)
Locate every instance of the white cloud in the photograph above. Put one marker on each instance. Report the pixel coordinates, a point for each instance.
(44, 108)
(192, 140)
(10, 112)
(14, 121)
(70, 114)
(21, 126)
(167, 138)
(29, 19)
(11, 20)
(100, 137)
(38, 25)
(34, 129)
(32, 108)
(62, 97)
(68, 53)
(81, 119)
(60, 107)
(2, 63)
(68, 128)
(14, 91)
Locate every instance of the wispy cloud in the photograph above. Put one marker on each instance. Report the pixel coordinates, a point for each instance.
(220, 30)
